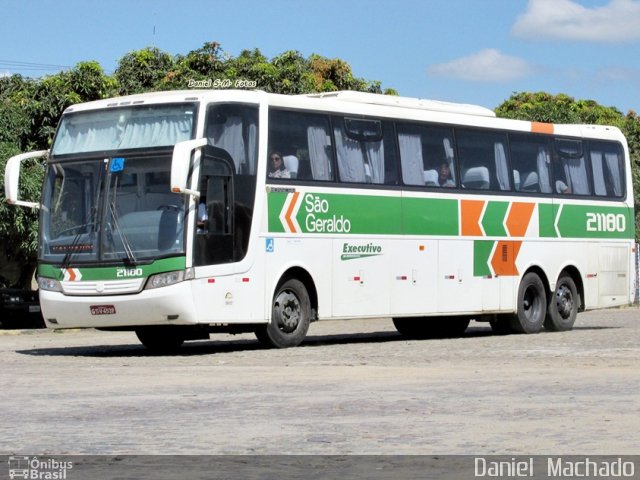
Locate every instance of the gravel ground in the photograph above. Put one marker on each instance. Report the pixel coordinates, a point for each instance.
(353, 387)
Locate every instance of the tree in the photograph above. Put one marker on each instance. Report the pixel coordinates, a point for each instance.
(544, 107)
(142, 70)
(29, 113)
(19, 226)
(287, 73)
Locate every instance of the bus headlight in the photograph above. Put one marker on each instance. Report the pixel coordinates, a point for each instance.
(49, 284)
(165, 279)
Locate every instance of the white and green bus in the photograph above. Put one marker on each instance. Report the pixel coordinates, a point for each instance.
(183, 213)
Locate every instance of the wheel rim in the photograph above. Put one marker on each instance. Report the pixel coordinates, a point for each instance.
(531, 304)
(288, 311)
(564, 301)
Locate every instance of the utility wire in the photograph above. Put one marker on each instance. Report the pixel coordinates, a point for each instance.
(20, 65)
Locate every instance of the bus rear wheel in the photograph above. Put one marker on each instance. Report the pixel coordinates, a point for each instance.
(532, 305)
(161, 338)
(290, 316)
(563, 306)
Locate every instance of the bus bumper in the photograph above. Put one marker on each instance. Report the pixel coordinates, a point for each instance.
(172, 305)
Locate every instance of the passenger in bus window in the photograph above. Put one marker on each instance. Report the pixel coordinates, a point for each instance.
(444, 176)
(203, 217)
(276, 166)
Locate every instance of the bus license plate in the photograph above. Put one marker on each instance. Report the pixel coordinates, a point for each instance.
(103, 310)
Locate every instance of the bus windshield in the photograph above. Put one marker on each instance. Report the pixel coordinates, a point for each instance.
(123, 128)
(117, 209)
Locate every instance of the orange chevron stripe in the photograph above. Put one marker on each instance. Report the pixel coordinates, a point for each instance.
(519, 218)
(504, 258)
(287, 216)
(470, 211)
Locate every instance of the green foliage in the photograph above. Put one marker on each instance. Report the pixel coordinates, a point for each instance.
(19, 226)
(287, 73)
(544, 107)
(142, 70)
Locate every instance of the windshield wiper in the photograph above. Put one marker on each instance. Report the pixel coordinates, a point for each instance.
(66, 261)
(123, 237)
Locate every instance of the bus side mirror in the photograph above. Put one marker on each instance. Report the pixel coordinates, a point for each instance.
(180, 164)
(12, 178)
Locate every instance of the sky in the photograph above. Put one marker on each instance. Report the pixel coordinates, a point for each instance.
(467, 51)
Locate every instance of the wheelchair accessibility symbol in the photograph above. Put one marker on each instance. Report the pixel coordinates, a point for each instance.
(270, 245)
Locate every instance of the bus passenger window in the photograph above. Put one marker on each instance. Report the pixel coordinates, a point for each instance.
(483, 160)
(570, 169)
(426, 155)
(365, 151)
(304, 142)
(530, 160)
(607, 169)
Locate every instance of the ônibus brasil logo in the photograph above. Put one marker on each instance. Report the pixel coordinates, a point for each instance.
(38, 469)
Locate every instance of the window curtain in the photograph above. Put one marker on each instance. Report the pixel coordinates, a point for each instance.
(613, 162)
(350, 161)
(576, 174)
(448, 150)
(86, 138)
(411, 159)
(155, 132)
(252, 152)
(543, 162)
(229, 137)
(375, 152)
(320, 160)
(599, 186)
(502, 170)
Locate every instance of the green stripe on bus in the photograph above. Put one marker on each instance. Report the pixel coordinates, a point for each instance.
(276, 202)
(330, 213)
(493, 219)
(481, 253)
(430, 216)
(584, 221)
(546, 217)
(115, 273)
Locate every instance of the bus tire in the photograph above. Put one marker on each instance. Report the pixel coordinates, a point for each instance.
(563, 306)
(290, 316)
(501, 325)
(410, 327)
(532, 305)
(161, 338)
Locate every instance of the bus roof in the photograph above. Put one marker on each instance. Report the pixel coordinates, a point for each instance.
(405, 102)
(342, 96)
(373, 103)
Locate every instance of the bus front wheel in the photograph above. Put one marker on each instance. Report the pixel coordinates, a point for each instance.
(563, 306)
(532, 305)
(161, 338)
(290, 316)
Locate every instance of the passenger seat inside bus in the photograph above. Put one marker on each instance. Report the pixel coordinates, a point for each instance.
(291, 163)
(430, 178)
(530, 183)
(476, 178)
